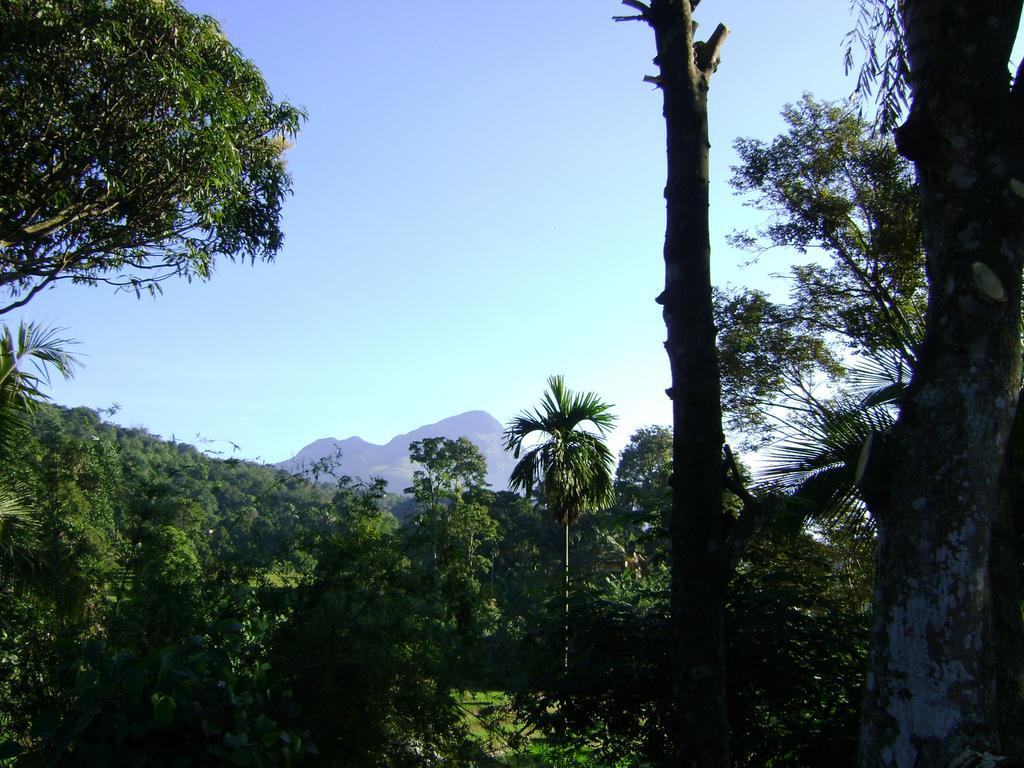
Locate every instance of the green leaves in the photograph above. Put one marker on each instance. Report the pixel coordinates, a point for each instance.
(192, 703)
(833, 186)
(10, 750)
(884, 70)
(140, 150)
(764, 348)
(163, 710)
(449, 467)
(854, 317)
(816, 461)
(796, 641)
(26, 360)
(571, 467)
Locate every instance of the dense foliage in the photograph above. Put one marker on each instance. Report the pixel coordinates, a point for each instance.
(796, 640)
(138, 144)
(174, 608)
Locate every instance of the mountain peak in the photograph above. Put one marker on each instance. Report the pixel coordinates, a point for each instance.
(390, 461)
(481, 421)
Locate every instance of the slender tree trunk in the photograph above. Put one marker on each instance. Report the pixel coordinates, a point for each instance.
(936, 485)
(700, 565)
(565, 618)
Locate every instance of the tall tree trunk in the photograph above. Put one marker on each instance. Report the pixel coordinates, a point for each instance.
(565, 617)
(936, 484)
(700, 565)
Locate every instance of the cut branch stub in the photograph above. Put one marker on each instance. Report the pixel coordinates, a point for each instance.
(862, 460)
(987, 282)
(710, 53)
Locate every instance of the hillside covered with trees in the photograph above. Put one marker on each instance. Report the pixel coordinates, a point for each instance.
(163, 607)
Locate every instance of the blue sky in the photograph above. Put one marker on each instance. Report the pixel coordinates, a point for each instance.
(477, 206)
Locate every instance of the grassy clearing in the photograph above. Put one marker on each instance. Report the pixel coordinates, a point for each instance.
(508, 741)
(492, 723)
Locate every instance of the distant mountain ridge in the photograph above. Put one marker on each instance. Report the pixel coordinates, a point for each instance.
(363, 460)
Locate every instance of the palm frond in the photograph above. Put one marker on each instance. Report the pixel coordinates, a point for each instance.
(521, 427)
(571, 467)
(815, 464)
(26, 362)
(19, 529)
(527, 473)
(878, 371)
(588, 407)
(565, 410)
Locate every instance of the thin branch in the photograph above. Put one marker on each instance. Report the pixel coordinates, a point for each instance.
(636, 5)
(28, 297)
(752, 515)
(733, 481)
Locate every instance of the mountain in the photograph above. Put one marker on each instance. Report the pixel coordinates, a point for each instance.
(363, 460)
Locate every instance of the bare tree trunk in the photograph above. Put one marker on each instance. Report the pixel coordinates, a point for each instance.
(699, 573)
(936, 484)
(700, 564)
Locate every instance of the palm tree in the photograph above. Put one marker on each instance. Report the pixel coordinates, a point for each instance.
(570, 468)
(26, 359)
(25, 363)
(818, 460)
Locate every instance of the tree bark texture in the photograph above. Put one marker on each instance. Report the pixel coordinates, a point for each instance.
(700, 562)
(937, 485)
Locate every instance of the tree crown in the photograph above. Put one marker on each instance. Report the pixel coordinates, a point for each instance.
(138, 144)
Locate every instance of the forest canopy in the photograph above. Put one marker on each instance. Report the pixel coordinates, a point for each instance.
(137, 143)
